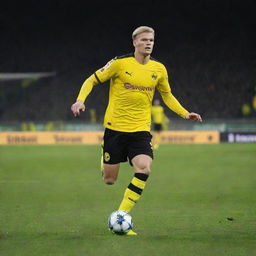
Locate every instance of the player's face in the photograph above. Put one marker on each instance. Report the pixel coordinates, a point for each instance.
(144, 43)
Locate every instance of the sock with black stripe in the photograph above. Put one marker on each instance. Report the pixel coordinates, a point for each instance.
(133, 192)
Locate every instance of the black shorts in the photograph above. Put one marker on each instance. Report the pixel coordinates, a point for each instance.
(157, 127)
(122, 146)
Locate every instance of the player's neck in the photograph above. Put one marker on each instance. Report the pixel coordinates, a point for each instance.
(142, 59)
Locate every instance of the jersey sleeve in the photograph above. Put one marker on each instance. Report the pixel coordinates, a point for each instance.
(87, 87)
(100, 76)
(170, 101)
(107, 72)
(163, 83)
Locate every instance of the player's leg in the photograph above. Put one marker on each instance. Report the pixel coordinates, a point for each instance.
(112, 155)
(140, 156)
(110, 173)
(141, 164)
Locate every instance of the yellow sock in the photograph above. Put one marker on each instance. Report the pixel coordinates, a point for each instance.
(156, 140)
(133, 192)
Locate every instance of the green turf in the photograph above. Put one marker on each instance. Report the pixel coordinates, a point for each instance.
(53, 202)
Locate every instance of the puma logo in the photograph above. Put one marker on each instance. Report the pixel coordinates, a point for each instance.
(130, 74)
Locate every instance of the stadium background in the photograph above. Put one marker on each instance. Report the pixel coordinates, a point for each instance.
(208, 48)
(199, 199)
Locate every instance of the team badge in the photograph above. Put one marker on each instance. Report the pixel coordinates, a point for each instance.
(154, 76)
(106, 156)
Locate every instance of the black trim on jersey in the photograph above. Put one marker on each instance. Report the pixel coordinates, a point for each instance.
(97, 78)
(128, 55)
(131, 54)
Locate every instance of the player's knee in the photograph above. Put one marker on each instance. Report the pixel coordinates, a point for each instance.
(144, 169)
(142, 163)
(147, 170)
(109, 180)
(110, 173)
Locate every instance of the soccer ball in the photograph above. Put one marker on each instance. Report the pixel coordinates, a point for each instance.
(120, 222)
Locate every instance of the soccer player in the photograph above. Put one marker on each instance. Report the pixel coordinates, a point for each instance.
(158, 118)
(133, 80)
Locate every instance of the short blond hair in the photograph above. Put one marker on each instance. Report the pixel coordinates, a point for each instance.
(142, 29)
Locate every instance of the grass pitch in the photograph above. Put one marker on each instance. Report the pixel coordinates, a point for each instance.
(199, 200)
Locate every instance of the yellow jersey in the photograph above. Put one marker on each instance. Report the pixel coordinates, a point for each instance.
(132, 87)
(157, 113)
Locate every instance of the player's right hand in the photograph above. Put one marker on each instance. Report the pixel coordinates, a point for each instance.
(76, 107)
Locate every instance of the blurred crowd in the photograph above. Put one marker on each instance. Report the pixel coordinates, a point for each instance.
(213, 81)
(211, 65)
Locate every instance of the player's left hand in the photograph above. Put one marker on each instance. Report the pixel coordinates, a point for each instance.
(194, 117)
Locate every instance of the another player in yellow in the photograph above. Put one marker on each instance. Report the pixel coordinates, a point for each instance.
(158, 118)
(133, 81)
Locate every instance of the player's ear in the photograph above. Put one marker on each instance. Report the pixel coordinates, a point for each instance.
(134, 42)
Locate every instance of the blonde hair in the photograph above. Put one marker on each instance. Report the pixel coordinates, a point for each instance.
(142, 29)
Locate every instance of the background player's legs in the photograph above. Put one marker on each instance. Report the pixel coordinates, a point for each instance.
(156, 139)
(141, 164)
(110, 173)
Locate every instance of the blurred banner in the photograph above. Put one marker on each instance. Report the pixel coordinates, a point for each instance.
(190, 137)
(238, 137)
(95, 137)
(49, 138)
